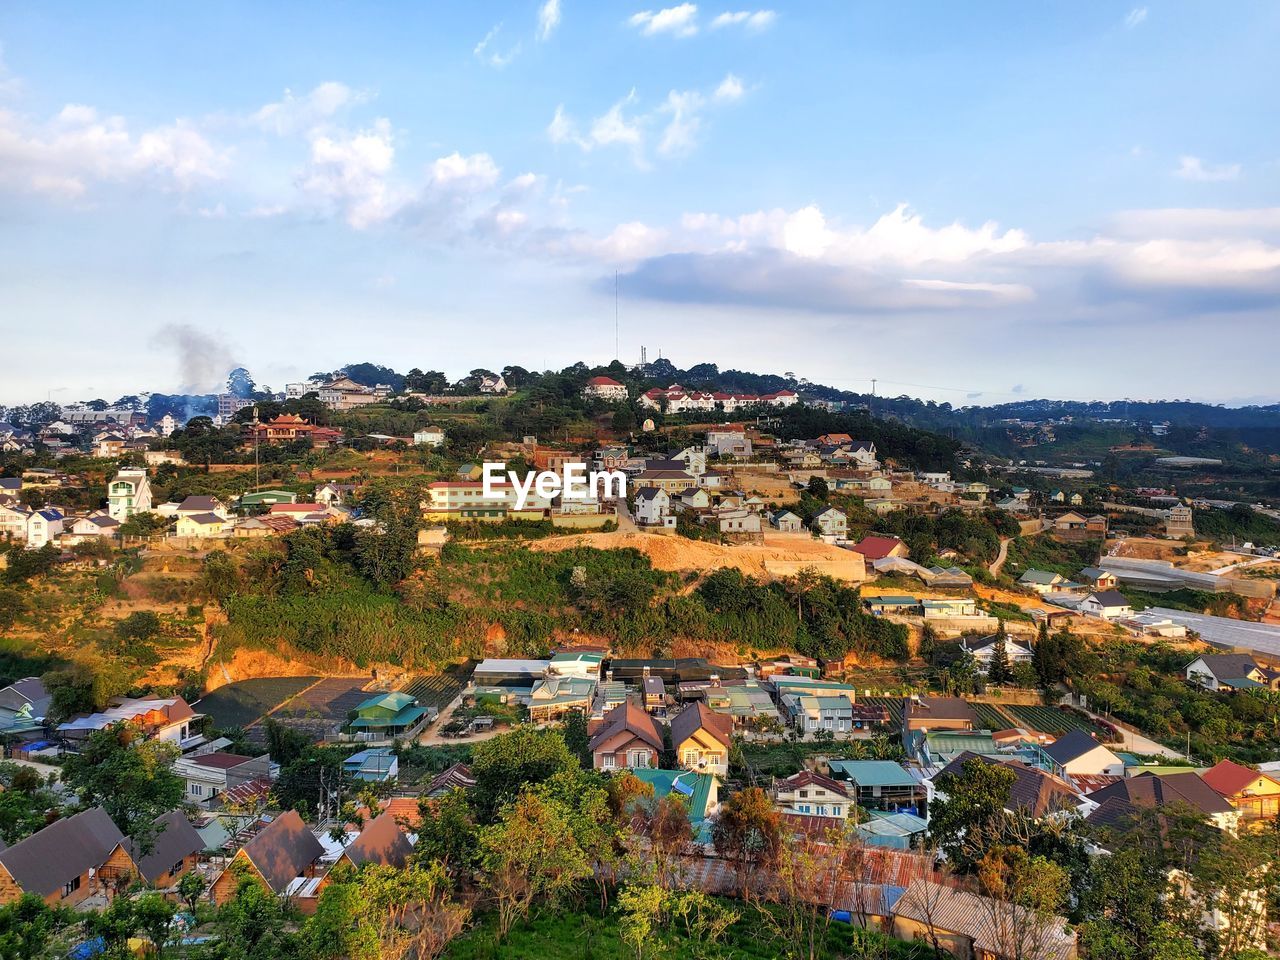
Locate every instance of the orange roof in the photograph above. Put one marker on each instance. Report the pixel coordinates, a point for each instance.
(876, 548)
(1229, 778)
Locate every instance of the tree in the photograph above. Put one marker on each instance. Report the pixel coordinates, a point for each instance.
(115, 925)
(154, 915)
(998, 670)
(240, 383)
(252, 926)
(968, 816)
(191, 888)
(506, 764)
(576, 737)
(26, 926)
(133, 781)
(817, 487)
(529, 854)
(1022, 896)
(748, 831)
(447, 832)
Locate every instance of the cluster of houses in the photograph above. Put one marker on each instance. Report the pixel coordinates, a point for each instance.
(677, 399)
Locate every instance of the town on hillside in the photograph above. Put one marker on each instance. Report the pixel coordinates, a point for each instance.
(283, 675)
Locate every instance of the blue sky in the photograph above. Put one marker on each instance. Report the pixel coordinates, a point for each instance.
(969, 202)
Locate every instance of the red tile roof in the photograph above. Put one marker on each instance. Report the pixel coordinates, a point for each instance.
(1229, 778)
(876, 548)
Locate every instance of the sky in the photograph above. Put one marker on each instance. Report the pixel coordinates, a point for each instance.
(968, 202)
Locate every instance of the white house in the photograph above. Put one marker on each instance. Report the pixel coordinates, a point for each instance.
(832, 523)
(809, 794)
(787, 521)
(493, 384)
(42, 527)
(1107, 604)
(128, 493)
(13, 522)
(653, 508)
(200, 505)
(1078, 753)
(604, 388)
(95, 525)
(1229, 671)
(982, 649)
(428, 437)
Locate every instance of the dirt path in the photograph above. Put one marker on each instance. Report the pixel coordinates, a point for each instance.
(998, 563)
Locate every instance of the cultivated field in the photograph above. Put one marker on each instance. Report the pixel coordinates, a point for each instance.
(246, 701)
(434, 690)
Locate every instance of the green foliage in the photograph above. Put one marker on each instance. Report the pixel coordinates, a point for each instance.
(971, 818)
(133, 781)
(506, 764)
(26, 564)
(27, 925)
(1043, 552)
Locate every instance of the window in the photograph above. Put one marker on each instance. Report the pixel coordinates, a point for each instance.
(638, 759)
(197, 790)
(71, 887)
(690, 757)
(835, 810)
(606, 762)
(176, 868)
(804, 793)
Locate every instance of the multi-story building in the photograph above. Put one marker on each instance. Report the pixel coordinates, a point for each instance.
(604, 388)
(229, 404)
(128, 493)
(465, 500)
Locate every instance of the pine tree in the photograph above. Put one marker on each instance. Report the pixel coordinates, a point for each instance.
(998, 671)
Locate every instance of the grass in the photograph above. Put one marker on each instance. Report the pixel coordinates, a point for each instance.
(1045, 553)
(590, 936)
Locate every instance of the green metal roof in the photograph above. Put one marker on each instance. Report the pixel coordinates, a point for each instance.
(872, 773)
(694, 787)
(406, 717)
(387, 701)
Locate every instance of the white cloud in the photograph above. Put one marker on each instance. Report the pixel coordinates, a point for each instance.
(680, 117)
(351, 171)
(1135, 16)
(477, 171)
(681, 21)
(1193, 168)
(77, 148)
(730, 88)
(548, 18)
(753, 21)
(293, 114)
(497, 59)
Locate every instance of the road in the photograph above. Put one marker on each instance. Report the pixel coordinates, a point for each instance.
(998, 563)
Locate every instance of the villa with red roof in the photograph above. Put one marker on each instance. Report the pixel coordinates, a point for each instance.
(605, 388)
(879, 548)
(1255, 794)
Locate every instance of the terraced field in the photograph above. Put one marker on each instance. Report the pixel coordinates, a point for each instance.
(435, 689)
(991, 717)
(1053, 721)
(241, 703)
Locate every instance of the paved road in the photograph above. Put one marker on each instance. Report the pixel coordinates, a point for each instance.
(998, 563)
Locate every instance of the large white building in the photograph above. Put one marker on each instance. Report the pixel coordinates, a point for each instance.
(128, 493)
(605, 388)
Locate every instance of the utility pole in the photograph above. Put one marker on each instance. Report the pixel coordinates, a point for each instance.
(257, 465)
(871, 404)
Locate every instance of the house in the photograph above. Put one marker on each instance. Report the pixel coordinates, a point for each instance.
(166, 718)
(939, 713)
(42, 527)
(946, 608)
(892, 603)
(839, 715)
(266, 498)
(95, 525)
(627, 738)
(653, 508)
(982, 649)
(694, 498)
(653, 691)
(24, 705)
(429, 437)
(1256, 795)
(375, 765)
(172, 849)
(1078, 753)
(202, 526)
(128, 493)
(1107, 604)
(201, 505)
(669, 479)
(734, 524)
(1119, 801)
(285, 428)
(1042, 581)
(701, 739)
(283, 851)
(972, 927)
(381, 842)
(605, 388)
(879, 784)
(1098, 579)
(457, 776)
(555, 695)
(59, 862)
(387, 715)
(1230, 671)
(13, 522)
(1033, 792)
(577, 663)
(786, 521)
(831, 523)
(1181, 523)
(809, 794)
(208, 776)
(879, 548)
(894, 831)
(493, 383)
(330, 494)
